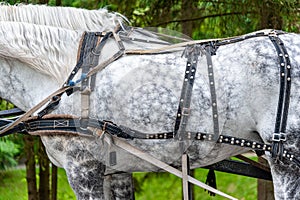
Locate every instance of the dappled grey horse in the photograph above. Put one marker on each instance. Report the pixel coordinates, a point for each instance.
(74, 19)
(141, 94)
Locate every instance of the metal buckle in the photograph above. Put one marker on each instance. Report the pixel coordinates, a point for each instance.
(282, 136)
(277, 137)
(186, 111)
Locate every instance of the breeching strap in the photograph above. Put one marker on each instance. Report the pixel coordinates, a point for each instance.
(279, 135)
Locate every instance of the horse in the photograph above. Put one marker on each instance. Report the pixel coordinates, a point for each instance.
(73, 19)
(147, 91)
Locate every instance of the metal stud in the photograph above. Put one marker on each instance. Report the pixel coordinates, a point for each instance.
(192, 77)
(282, 64)
(211, 83)
(280, 54)
(188, 64)
(215, 115)
(209, 66)
(286, 55)
(193, 70)
(185, 79)
(288, 79)
(237, 141)
(282, 74)
(73, 72)
(209, 137)
(288, 66)
(187, 72)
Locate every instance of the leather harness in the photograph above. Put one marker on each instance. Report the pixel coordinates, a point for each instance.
(91, 46)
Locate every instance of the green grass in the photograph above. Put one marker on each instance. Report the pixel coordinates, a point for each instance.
(158, 186)
(164, 186)
(13, 185)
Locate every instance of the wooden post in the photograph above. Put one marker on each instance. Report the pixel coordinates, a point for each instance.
(265, 190)
(54, 183)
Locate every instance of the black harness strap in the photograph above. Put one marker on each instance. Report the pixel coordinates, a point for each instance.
(215, 115)
(279, 135)
(192, 53)
(10, 112)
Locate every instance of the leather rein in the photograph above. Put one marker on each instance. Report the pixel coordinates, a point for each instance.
(88, 57)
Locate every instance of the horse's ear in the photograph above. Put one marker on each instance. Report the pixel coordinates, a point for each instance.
(211, 181)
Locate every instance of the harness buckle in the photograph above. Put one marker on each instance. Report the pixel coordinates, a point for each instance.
(277, 137)
(186, 111)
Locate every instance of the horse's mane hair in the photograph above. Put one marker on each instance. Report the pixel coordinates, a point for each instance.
(49, 50)
(67, 17)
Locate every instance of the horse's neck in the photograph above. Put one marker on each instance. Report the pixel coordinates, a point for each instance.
(22, 85)
(35, 65)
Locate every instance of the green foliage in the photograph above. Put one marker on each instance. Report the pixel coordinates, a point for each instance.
(8, 151)
(152, 186)
(9, 146)
(13, 185)
(161, 186)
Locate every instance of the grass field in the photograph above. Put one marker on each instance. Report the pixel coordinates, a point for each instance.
(158, 186)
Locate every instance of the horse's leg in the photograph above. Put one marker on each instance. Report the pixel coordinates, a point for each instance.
(85, 173)
(286, 180)
(122, 186)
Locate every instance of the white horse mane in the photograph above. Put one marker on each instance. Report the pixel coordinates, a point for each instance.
(67, 17)
(37, 45)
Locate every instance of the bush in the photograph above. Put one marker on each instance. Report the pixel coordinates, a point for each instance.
(8, 151)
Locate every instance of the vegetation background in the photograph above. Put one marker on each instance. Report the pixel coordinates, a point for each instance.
(198, 19)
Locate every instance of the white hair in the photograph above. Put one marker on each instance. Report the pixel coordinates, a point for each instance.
(50, 50)
(66, 17)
